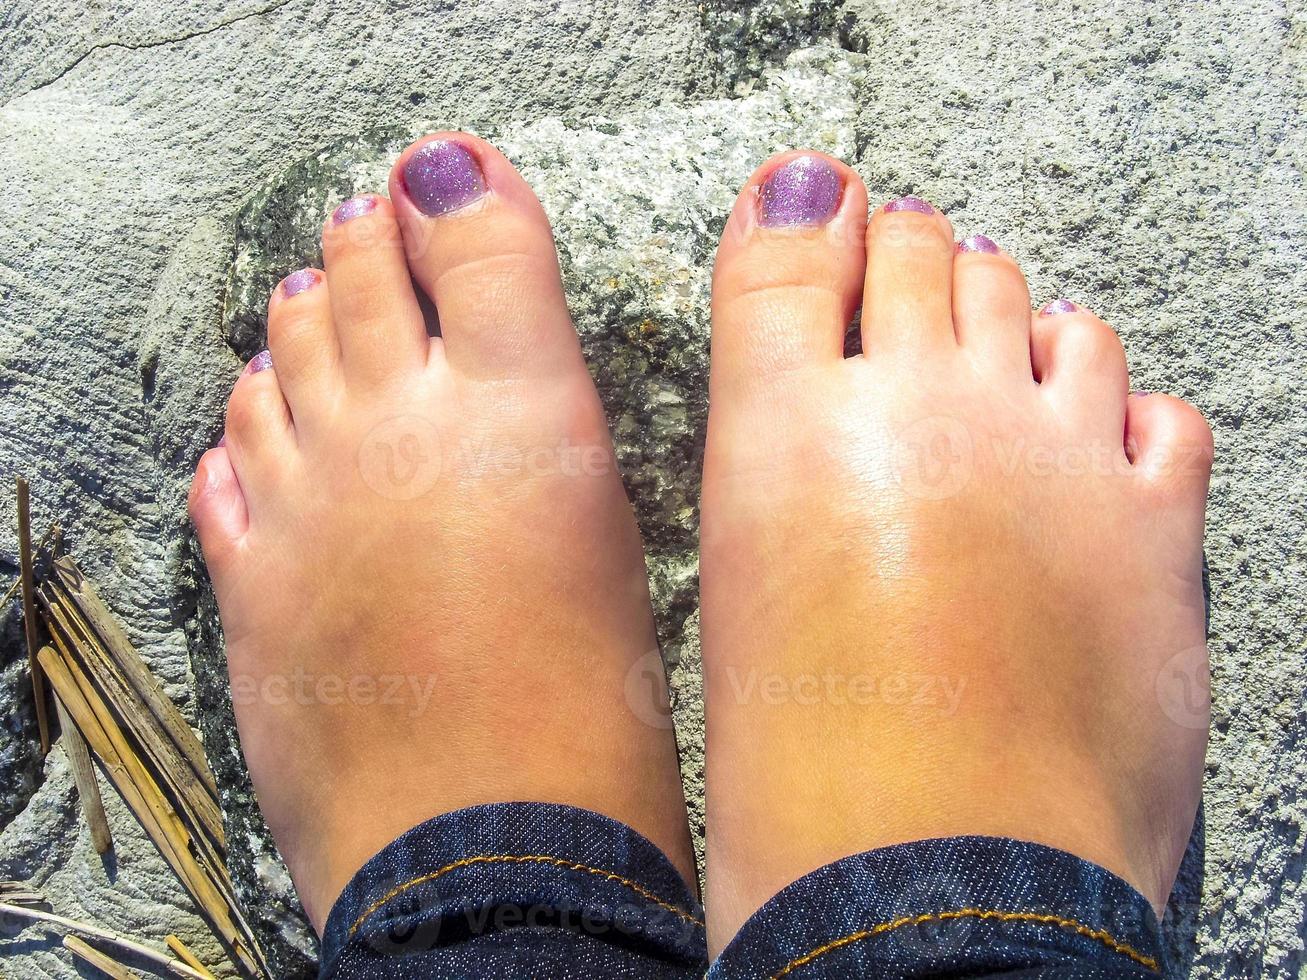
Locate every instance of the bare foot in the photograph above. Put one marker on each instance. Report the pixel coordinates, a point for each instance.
(950, 586)
(430, 580)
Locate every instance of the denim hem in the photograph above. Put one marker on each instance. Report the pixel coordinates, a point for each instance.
(491, 890)
(962, 906)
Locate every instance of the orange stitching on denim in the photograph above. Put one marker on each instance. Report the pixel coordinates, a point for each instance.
(519, 859)
(884, 927)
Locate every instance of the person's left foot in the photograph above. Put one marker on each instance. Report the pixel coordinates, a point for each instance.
(430, 579)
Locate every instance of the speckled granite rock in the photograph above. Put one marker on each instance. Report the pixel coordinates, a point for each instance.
(1145, 158)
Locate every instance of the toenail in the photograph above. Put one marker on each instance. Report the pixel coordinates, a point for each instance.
(1141, 394)
(443, 176)
(297, 282)
(353, 208)
(222, 441)
(909, 203)
(259, 362)
(1058, 306)
(806, 191)
(978, 243)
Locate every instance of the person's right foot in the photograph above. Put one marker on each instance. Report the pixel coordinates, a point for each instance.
(950, 586)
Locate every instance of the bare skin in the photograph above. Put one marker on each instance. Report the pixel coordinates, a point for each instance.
(443, 511)
(950, 586)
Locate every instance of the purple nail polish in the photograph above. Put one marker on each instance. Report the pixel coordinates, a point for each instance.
(978, 243)
(909, 203)
(1141, 394)
(443, 176)
(259, 362)
(1058, 306)
(806, 191)
(222, 441)
(297, 282)
(353, 208)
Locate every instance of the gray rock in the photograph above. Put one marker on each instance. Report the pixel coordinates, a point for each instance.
(1140, 158)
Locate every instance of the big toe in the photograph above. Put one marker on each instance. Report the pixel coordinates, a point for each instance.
(788, 273)
(480, 246)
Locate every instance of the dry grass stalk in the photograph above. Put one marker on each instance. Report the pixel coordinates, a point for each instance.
(191, 856)
(64, 925)
(103, 962)
(88, 790)
(29, 610)
(186, 956)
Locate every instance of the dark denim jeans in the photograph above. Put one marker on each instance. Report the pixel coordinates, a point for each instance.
(539, 890)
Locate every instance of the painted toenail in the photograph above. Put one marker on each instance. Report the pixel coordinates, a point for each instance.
(1141, 394)
(1058, 306)
(978, 243)
(806, 191)
(259, 362)
(443, 176)
(297, 282)
(909, 203)
(222, 441)
(353, 208)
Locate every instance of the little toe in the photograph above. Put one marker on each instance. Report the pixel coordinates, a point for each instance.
(789, 271)
(377, 319)
(991, 308)
(480, 246)
(1081, 367)
(1170, 444)
(217, 507)
(907, 297)
(302, 338)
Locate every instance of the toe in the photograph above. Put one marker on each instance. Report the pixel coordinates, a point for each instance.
(377, 319)
(301, 337)
(991, 309)
(479, 244)
(907, 297)
(217, 507)
(789, 270)
(1170, 444)
(259, 435)
(1080, 364)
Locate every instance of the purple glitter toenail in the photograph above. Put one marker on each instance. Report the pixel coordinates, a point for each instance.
(978, 243)
(806, 191)
(1058, 306)
(297, 282)
(909, 203)
(443, 176)
(259, 362)
(353, 208)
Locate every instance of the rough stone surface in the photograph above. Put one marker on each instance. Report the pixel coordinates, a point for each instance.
(1144, 159)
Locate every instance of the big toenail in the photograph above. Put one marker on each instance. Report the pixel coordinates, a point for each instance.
(353, 208)
(806, 191)
(297, 282)
(1058, 306)
(443, 176)
(909, 203)
(978, 243)
(259, 362)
